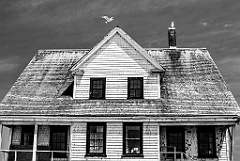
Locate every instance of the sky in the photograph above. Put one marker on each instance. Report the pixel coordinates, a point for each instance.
(27, 26)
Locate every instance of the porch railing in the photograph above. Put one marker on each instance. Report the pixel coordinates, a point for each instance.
(169, 153)
(12, 155)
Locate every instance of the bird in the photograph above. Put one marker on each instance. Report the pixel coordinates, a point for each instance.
(107, 19)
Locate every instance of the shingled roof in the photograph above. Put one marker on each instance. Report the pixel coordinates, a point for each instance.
(192, 86)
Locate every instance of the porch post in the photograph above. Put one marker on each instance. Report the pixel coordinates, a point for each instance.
(233, 142)
(34, 156)
(1, 154)
(70, 142)
(159, 144)
(1, 126)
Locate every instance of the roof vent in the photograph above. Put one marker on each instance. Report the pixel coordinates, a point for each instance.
(172, 36)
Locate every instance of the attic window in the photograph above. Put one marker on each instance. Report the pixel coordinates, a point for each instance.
(69, 90)
(97, 88)
(135, 88)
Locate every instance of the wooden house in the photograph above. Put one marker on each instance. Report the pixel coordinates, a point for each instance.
(119, 102)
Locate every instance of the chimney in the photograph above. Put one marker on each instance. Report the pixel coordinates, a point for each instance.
(172, 36)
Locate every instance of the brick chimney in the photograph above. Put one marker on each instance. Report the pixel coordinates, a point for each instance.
(172, 36)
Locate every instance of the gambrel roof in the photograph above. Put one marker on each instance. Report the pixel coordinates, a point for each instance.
(191, 86)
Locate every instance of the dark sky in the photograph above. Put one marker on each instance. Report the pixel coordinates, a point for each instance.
(27, 26)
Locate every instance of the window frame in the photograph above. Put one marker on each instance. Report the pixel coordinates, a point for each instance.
(27, 129)
(92, 88)
(59, 129)
(125, 124)
(176, 129)
(89, 124)
(212, 131)
(129, 87)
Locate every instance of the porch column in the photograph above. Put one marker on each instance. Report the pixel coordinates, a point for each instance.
(34, 156)
(159, 143)
(1, 135)
(70, 141)
(233, 142)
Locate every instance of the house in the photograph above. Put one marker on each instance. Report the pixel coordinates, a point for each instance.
(118, 102)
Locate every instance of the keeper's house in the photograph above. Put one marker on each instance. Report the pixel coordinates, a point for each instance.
(119, 102)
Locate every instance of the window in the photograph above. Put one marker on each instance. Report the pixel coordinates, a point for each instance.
(97, 88)
(27, 135)
(59, 140)
(175, 138)
(96, 139)
(135, 88)
(132, 139)
(206, 142)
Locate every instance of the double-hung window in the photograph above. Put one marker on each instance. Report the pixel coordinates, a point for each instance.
(27, 135)
(135, 87)
(206, 142)
(96, 139)
(97, 88)
(132, 139)
(59, 140)
(175, 140)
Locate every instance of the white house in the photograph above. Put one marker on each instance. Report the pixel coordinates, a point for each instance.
(118, 102)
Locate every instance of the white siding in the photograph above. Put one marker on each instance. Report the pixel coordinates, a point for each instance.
(150, 141)
(117, 60)
(114, 143)
(78, 141)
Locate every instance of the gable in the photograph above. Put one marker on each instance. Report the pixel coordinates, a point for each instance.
(117, 57)
(116, 60)
(123, 38)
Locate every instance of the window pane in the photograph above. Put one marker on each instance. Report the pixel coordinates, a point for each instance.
(135, 87)
(27, 135)
(206, 144)
(133, 146)
(133, 139)
(97, 88)
(96, 139)
(96, 149)
(175, 138)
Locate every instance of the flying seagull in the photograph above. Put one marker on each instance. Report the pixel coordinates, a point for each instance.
(107, 19)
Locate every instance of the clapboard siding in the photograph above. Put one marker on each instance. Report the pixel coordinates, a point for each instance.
(114, 142)
(78, 147)
(116, 61)
(150, 140)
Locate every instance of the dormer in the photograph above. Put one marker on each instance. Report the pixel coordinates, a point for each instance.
(117, 68)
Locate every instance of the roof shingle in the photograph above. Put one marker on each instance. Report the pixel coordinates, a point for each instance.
(192, 85)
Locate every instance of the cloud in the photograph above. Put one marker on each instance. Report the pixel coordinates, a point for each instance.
(227, 25)
(8, 64)
(204, 23)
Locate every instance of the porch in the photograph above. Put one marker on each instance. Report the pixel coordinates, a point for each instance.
(198, 142)
(34, 143)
